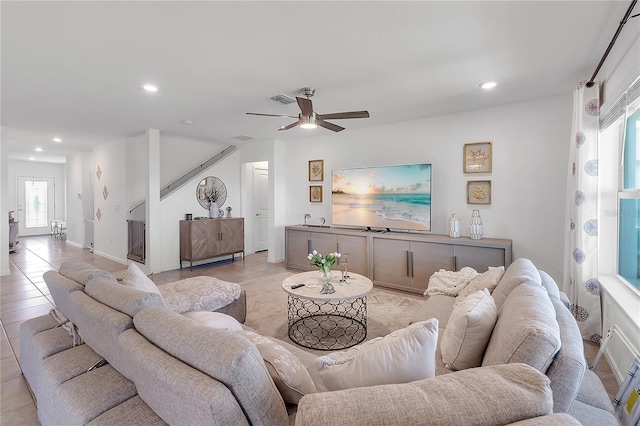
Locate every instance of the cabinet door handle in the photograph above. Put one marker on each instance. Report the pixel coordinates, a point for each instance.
(408, 263)
(309, 246)
(455, 263)
(411, 264)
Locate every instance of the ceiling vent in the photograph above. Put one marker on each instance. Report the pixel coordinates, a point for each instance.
(243, 138)
(283, 99)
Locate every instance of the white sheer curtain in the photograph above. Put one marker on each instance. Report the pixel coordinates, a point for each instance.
(581, 240)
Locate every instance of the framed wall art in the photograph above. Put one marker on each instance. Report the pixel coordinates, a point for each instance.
(316, 170)
(315, 193)
(479, 192)
(478, 157)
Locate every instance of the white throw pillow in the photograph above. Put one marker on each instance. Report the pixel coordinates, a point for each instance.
(468, 331)
(214, 319)
(400, 357)
(488, 280)
(135, 278)
(287, 371)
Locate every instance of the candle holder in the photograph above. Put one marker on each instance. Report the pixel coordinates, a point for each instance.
(344, 268)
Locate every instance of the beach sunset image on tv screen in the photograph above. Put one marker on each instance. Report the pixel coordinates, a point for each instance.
(394, 197)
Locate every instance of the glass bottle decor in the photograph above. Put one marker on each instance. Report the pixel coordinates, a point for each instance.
(325, 279)
(454, 226)
(476, 225)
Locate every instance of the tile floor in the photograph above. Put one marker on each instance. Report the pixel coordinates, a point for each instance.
(24, 295)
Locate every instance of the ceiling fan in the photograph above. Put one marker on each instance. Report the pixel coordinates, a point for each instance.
(307, 119)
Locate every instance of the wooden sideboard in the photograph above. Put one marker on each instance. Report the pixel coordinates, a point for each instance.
(209, 238)
(397, 260)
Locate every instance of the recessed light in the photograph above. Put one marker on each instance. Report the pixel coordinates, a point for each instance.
(488, 85)
(186, 122)
(149, 87)
(38, 149)
(32, 158)
(57, 140)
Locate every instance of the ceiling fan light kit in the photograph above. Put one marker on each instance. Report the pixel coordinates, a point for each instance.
(308, 119)
(308, 122)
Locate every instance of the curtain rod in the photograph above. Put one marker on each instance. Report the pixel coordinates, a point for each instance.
(613, 40)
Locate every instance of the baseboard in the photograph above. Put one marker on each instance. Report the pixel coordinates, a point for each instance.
(115, 259)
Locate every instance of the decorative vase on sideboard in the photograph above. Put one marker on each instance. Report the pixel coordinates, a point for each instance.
(476, 225)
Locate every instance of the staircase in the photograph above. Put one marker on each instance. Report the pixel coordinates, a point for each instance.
(182, 180)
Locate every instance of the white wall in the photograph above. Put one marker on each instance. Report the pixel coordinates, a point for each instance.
(4, 201)
(530, 159)
(179, 155)
(73, 179)
(110, 231)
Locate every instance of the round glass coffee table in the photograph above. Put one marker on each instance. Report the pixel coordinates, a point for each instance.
(327, 321)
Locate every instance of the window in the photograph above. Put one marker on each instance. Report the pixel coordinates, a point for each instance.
(629, 199)
(619, 188)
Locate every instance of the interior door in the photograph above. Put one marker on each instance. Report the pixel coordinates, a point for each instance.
(261, 207)
(36, 204)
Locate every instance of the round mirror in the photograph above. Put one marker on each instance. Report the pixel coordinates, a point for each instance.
(211, 190)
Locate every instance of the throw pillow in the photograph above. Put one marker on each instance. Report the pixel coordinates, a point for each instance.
(214, 319)
(488, 280)
(400, 357)
(468, 331)
(135, 278)
(287, 371)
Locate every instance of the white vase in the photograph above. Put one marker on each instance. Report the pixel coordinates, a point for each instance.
(476, 225)
(213, 210)
(454, 226)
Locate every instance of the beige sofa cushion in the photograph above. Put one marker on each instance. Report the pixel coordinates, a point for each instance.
(289, 374)
(236, 362)
(520, 271)
(526, 330)
(550, 285)
(468, 331)
(214, 319)
(137, 279)
(82, 272)
(516, 392)
(488, 280)
(437, 306)
(400, 357)
(124, 299)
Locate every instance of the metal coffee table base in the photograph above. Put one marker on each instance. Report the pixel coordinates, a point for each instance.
(327, 324)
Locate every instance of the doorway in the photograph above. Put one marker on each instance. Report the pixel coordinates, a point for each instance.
(36, 204)
(260, 202)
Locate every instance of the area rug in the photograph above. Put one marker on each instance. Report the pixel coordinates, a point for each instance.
(387, 310)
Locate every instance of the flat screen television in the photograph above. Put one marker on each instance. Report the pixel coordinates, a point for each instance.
(387, 197)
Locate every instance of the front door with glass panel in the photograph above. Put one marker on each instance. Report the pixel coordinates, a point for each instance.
(36, 205)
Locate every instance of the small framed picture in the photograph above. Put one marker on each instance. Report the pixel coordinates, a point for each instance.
(479, 192)
(478, 157)
(316, 170)
(315, 193)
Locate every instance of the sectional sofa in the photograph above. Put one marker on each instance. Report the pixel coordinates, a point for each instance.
(137, 357)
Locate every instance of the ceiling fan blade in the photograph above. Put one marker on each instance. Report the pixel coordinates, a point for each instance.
(272, 115)
(328, 125)
(342, 115)
(289, 126)
(305, 106)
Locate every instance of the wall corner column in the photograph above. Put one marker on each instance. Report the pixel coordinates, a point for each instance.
(152, 211)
